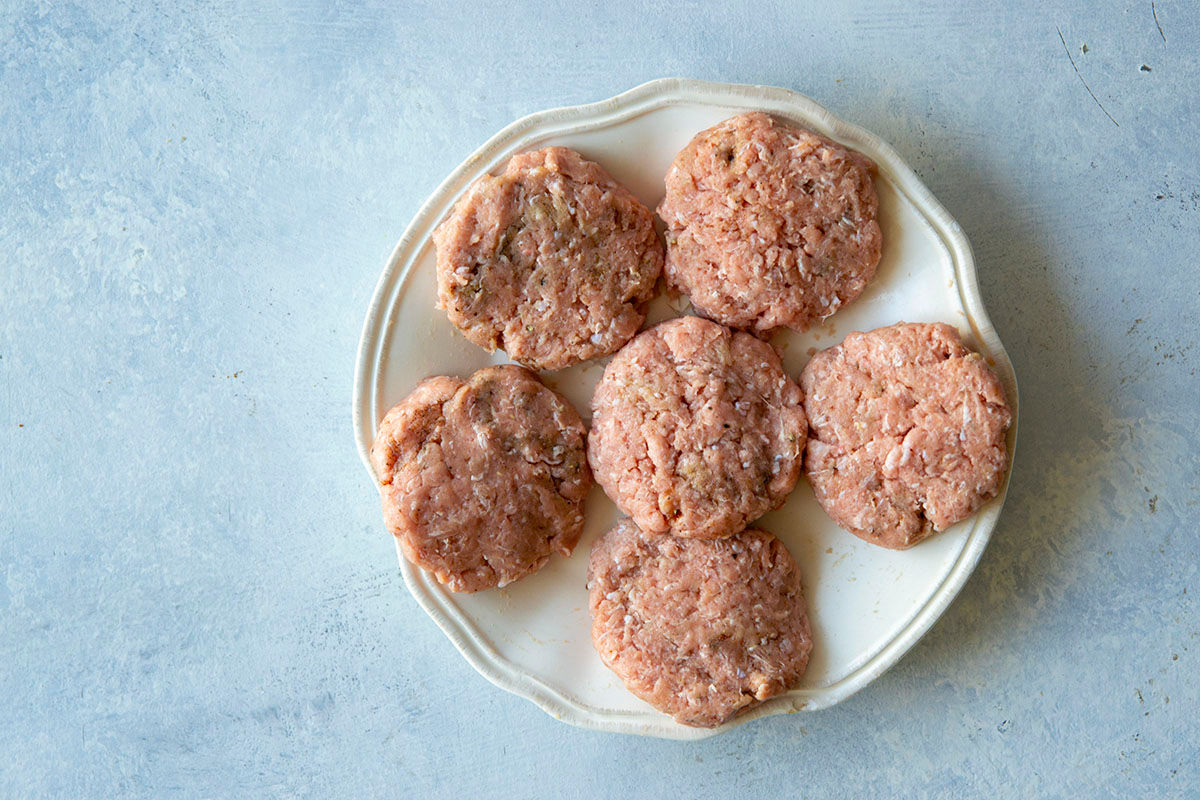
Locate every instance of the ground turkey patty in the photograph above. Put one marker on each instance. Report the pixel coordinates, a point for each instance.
(553, 260)
(696, 429)
(907, 432)
(700, 629)
(482, 479)
(769, 225)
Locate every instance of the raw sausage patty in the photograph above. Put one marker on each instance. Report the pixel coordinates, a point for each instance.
(907, 432)
(553, 261)
(696, 430)
(769, 225)
(482, 479)
(700, 629)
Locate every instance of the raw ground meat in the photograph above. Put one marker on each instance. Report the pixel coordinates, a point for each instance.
(696, 429)
(553, 261)
(907, 432)
(700, 629)
(769, 225)
(482, 479)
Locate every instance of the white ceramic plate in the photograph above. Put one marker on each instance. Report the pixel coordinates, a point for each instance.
(867, 605)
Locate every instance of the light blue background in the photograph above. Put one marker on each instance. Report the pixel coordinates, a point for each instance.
(196, 198)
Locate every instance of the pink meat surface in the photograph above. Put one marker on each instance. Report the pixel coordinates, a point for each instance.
(769, 225)
(907, 432)
(696, 429)
(700, 629)
(482, 479)
(553, 261)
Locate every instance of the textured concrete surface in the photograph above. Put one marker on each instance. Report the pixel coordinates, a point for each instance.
(196, 198)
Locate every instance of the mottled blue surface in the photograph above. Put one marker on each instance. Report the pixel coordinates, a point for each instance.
(196, 199)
